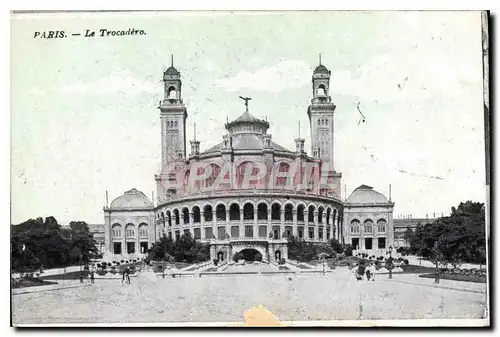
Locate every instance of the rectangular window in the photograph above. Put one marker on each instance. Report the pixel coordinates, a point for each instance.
(262, 231)
(209, 233)
(130, 247)
(311, 232)
(381, 243)
(144, 247)
(276, 232)
(355, 243)
(300, 232)
(249, 231)
(197, 234)
(186, 232)
(235, 231)
(368, 243)
(288, 231)
(177, 235)
(117, 248)
(221, 232)
(320, 233)
(328, 233)
(169, 235)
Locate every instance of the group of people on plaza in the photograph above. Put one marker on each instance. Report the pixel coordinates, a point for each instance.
(92, 270)
(363, 269)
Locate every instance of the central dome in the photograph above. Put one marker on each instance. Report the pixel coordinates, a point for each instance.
(247, 123)
(132, 199)
(366, 195)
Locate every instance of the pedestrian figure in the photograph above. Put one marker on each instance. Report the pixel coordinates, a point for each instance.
(368, 272)
(127, 274)
(124, 272)
(92, 275)
(360, 272)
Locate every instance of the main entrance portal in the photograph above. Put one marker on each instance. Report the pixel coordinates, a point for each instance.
(250, 255)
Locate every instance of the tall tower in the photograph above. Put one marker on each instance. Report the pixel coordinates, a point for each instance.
(320, 113)
(173, 116)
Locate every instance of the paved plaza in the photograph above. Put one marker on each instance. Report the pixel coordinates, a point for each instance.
(291, 297)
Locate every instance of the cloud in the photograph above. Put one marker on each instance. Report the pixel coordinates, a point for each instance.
(284, 75)
(120, 81)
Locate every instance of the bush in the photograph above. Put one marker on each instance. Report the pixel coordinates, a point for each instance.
(406, 262)
(122, 261)
(215, 261)
(282, 261)
(158, 269)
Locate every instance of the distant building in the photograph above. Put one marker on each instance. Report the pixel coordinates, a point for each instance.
(368, 215)
(401, 225)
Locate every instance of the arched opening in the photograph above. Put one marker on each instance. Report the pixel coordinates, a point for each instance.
(130, 231)
(196, 214)
(169, 218)
(234, 212)
(277, 255)
(283, 175)
(321, 90)
(220, 256)
(355, 226)
(185, 215)
(247, 176)
(310, 215)
(143, 230)
(368, 226)
(208, 213)
(116, 230)
(262, 211)
(172, 93)
(176, 217)
(248, 211)
(300, 213)
(220, 212)
(320, 214)
(248, 254)
(276, 212)
(381, 225)
(328, 214)
(288, 212)
(214, 173)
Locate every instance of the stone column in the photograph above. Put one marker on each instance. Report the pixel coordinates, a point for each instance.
(242, 227)
(306, 225)
(282, 225)
(255, 226)
(294, 226)
(228, 226)
(191, 218)
(316, 226)
(214, 221)
(269, 222)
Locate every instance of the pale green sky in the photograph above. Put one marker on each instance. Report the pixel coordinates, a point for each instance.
(84, 117)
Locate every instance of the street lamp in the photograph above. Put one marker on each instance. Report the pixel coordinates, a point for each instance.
(389, 265)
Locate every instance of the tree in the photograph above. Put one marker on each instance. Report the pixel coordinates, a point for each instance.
(83, 240)
(408, 235)
(47, 244)
(461, 235)
(184, 249)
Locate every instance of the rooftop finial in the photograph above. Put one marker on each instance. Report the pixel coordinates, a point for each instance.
(319, 58)
(299, 129)
(172, 60)
(246, 99)
(195, 132)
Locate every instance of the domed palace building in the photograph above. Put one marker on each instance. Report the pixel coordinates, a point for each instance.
(247, 193)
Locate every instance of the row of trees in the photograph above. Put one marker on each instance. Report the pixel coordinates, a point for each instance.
(43, 242)
(303, 251)
(454, 239)
(186, 249)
